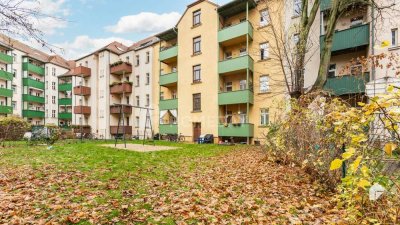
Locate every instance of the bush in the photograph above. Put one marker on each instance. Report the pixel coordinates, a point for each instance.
(13, 128)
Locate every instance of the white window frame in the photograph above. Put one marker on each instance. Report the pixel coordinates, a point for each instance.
(264, 84)
(264, 117)
(264, 51)
(264, 18)
(394, 37)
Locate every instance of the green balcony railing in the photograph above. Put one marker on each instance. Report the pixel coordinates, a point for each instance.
(168, 104)
(6, 92)
(235, 31)
(32, 114)
(33, 68)
(4, 75)
(65, 116)
(65, 101)
(33, 83)
(8, 59)
(6, 109)
(236, 64)
(168, 128)
(325, 5)
(169, 78)
(169, 53)
(235, 97)
(236, 130)
(350, 38)
(347, 84)
(32, 98)
(65, 87)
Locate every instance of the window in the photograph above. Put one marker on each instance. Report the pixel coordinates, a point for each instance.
(196, 45)
(196, 102)
(127, 59)
(264, 18)
(297, 7)
(14, 104)
(53, 113)
(53, 99)
(14, 73)
(332, 70)
(47, 85)
(53, 85)
(137, 101)
(197, 17)
(174, 95)
(264, 84)
(137, 81)
(14, 88)
(296, 38)
(356, 69)
(147, 100)
(161, 95)
(243, 51)
(53, 72)
(127, 100)
(101, 94)
(356, 21)
(264, 51)
(228, 86)
(242, 84)
(264, 117)
(147, 78)
(14, 57)
(196, 73)
(228, 55)
(394, 37)
(47, 70)
(137, 60)
(47, 99)
(137, 122)
(147, 57)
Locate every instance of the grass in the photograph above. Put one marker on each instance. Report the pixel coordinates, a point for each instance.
(106, 163)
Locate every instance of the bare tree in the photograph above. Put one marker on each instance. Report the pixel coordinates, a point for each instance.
(17, 19)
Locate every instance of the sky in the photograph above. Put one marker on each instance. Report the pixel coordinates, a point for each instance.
(87, 25)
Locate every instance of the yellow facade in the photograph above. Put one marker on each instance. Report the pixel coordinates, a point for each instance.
(222, 113)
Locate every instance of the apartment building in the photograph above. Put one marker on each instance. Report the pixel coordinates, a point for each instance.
(235, 85)
(113, 86)
(28, 81)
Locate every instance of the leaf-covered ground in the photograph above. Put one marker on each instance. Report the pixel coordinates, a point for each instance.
(89, 184)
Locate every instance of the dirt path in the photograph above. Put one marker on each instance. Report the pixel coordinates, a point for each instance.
(242, 188)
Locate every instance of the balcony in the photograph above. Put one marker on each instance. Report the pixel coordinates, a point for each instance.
(32, 98)
(85, 110)
(114, 130)
(6, 109)
(65, 87)
(32, 114)
(82, 90)
(350, 38)
(65, 116)
(85, 129)
(6, 92)
(236, 130)
(33, 83)
(65, 101)
(236, 97)
(81, 71)
(347, 84)
(33, 68)
(168, 104)
(325, 5)
(236, 64)
(168, 128)
(167, 79)
(121, 88)
(7, 59)
(169, 54)
(120, 68)
(116, 109)
(235, 34)
(4, 75)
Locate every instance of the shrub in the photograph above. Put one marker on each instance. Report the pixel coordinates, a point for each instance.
(13, 128)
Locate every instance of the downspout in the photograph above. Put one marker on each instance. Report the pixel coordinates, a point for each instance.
(373, 44)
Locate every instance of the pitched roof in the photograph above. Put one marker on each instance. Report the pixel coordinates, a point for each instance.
(34, 53)
(143, 43)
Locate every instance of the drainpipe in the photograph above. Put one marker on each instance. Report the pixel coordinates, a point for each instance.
(373, 44)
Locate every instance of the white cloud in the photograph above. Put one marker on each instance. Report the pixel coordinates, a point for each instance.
(54, 12)
(145, 22)
(83, 45)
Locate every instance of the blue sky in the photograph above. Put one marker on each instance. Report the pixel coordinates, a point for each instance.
(91, 24)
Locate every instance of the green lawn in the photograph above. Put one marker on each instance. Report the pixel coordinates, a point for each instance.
(105, 173)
